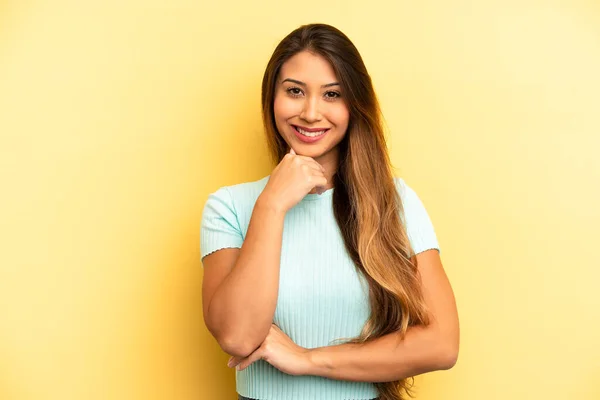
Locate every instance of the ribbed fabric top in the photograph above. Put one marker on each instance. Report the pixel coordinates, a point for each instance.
(321, 295)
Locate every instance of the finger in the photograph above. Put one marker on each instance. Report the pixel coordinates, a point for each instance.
(246, 362)
(321, 183)
(312, 161)
(292, 151)
(233, 361)
(314, 169)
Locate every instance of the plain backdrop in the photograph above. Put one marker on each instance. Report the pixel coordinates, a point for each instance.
(118, 118)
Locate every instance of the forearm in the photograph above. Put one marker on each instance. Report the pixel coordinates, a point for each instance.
(241, 311)
(387, 358)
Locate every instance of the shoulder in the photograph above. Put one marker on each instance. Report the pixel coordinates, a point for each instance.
(410, 199)
(400, 185)
(234, 202)
(416, 218)
(226, 215)
(228, 209)
(407, 194)
(241, 193)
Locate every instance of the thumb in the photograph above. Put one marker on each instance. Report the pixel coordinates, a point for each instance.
(292, 151)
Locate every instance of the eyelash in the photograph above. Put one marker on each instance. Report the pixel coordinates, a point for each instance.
(336, 94)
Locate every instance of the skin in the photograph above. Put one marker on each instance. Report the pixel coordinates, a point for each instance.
(308, 95)
(237, 316)
(389, 357)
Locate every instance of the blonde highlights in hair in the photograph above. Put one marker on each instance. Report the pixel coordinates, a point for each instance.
(366, 203)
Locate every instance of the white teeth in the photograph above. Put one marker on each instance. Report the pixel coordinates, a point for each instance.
(310, 134)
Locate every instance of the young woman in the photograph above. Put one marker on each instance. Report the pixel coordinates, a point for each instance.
(323, 280)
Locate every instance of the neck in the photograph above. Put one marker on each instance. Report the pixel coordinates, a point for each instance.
(330, 162)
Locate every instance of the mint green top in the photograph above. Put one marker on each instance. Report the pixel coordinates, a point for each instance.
(321, 296)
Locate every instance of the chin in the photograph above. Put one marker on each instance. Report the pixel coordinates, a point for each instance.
(310, 150)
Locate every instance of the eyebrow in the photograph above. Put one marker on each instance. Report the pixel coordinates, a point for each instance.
(304, 84)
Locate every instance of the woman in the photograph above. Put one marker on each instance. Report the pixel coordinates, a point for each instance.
(323, 280)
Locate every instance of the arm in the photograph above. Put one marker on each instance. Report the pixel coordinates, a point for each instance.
(240, 286)
(388, 358)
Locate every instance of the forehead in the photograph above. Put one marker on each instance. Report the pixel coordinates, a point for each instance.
(309, 68)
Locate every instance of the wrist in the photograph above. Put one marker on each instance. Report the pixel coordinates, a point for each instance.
(317, 362)
(267, 203)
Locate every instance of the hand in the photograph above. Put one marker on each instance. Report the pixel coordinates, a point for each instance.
(278, 350)
(293, 178)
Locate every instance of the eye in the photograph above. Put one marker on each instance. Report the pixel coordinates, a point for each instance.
(294, 91)
(331, 95)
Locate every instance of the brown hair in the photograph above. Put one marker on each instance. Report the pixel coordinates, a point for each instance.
(366, 203)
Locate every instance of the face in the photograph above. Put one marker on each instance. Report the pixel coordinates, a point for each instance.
(310, 112)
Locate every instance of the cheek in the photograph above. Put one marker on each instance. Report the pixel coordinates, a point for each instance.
(340, 116)
(283, 108)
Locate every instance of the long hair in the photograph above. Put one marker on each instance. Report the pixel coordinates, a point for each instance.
(366, 203)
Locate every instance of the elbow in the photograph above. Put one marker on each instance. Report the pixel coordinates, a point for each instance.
(236, 347)
(449, 359)
(447, 356)
(238, 343)
(230, 342)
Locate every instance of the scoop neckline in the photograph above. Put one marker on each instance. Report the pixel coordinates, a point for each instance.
(315, 196)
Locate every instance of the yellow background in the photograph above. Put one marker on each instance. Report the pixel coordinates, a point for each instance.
(117, 119)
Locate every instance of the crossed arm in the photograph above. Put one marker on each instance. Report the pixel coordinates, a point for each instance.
(423, 349)
(387, 358)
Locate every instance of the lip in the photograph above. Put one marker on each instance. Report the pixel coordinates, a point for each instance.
(307, 139)
(310, 129)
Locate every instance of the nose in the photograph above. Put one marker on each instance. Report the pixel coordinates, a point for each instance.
(310, 110)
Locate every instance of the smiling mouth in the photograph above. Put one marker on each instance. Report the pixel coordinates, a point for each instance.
(310, 132)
